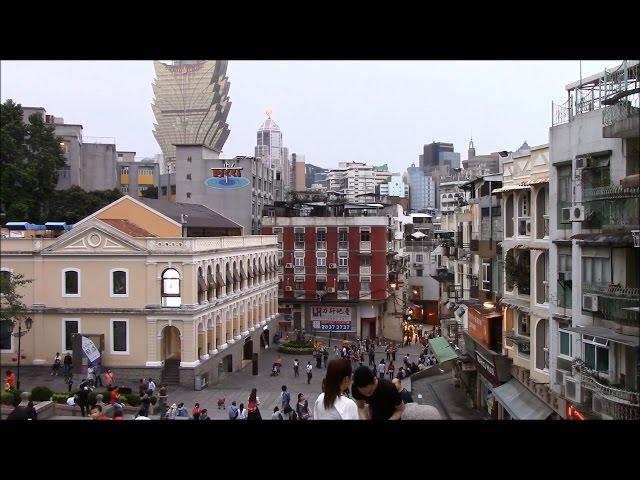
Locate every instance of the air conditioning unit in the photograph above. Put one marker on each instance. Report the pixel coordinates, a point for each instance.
(288, 288)
(572, 389)
(590, 302)
(289, 265)
(581, 162)
(333, 266)
(331, 290)
(573, 214)
(564, 276)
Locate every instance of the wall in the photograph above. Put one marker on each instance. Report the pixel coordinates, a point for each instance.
(99, 167)
(143, 217)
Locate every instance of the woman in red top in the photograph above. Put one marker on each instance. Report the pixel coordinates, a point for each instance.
(10, 380)
(195, 413)
(115, 396)
(390, 370)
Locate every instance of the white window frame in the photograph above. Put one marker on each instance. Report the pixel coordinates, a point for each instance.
(596, 345)
(560, 354)
(118, 295)
(64, 331)
(10, 270)
(321, 259)
(111, 338)
(485, 271)
(11, 337)
(64, 285)
(298, 259)
(365, 279)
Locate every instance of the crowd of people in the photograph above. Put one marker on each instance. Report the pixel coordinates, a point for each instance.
(351, 390)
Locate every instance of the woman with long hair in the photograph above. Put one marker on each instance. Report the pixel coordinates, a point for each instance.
(252, 406)
(332, 404)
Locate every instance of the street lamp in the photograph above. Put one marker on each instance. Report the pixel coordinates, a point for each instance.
(28, 323)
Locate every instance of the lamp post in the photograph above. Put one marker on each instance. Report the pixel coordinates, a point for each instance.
(28, 322)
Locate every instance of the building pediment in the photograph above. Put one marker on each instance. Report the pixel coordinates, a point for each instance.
(94, 237)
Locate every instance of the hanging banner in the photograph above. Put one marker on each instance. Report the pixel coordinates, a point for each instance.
(328, 318)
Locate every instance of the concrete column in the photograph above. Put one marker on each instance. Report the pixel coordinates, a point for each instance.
(152, 342)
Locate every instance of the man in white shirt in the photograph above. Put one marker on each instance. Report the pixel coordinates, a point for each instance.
(151, 388)
(309, 369)
(382, 368)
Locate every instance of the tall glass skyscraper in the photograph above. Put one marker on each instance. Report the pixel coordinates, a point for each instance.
(191, 105)
(269, 144)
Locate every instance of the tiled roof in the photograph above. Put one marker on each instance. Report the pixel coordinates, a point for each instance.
(127, 227)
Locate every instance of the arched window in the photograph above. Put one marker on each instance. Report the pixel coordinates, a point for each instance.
(119, 282)
(71, 282)
(171, 288)
(508, 218)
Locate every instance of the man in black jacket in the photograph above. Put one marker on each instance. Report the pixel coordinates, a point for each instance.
(83, 397)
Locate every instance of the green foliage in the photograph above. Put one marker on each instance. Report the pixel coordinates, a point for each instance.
(41, 394)
(150, 192)
(74, 204)
(132, 399)
(60, 397)
(11, 305)
(30, 160)
(296, 348)
(10, 397)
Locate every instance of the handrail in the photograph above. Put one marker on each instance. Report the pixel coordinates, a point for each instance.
(616, 394)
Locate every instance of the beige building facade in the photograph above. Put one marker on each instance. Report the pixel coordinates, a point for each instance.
(184, 310)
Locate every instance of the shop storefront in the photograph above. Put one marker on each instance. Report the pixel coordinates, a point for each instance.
(491, 371)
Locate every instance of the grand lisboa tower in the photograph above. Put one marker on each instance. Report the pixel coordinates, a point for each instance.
(191, 105)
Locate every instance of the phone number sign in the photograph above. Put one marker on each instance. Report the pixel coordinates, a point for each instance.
(331, 318)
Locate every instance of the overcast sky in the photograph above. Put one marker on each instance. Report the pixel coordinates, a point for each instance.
(330, 111)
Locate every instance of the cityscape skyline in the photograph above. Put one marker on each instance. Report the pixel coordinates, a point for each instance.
(296, 91)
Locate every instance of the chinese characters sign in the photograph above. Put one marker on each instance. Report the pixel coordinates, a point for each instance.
(228, 176)
(331, 318)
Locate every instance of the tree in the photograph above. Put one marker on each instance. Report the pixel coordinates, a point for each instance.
(10, 300)
(73, 204)
(30, 160)
(150, 192)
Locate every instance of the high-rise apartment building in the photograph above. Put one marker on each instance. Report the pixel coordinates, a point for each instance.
(422, 189)
(356, 178)
(191, 105)
(270, 150)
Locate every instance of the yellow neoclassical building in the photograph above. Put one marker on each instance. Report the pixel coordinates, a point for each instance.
(181, 309)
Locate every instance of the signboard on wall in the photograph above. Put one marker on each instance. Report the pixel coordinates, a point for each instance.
(478, 326)
(87, 351)
(327, 318)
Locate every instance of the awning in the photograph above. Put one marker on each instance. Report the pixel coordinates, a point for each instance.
(202, 285)
(607, 333)
(516, 303)
(219, 279)
(511, 187)
(536, 181)
(442, 350)
(520, 402)
(613, 238)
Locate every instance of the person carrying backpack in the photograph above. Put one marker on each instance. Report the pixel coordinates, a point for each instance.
(233, 411)
(252, 406)
(285, 397)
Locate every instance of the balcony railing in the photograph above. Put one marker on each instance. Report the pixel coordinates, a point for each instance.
(298, 245)
(610, 192)
(321, 270)
(546, 225)
(620, 111)
(343, 295)
(365, 270)
(615, 394)
(343, 245)
(612, 291)
(321, 245)
(299, 270)
(365, 246)
(343, 270)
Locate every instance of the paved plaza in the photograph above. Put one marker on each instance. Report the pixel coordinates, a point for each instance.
(437, 390)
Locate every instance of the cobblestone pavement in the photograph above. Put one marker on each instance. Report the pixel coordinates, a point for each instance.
(437, 390)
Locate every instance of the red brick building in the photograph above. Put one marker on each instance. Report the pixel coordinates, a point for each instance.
(333, 261)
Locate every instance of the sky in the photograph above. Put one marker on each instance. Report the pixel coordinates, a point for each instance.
(330, 111)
